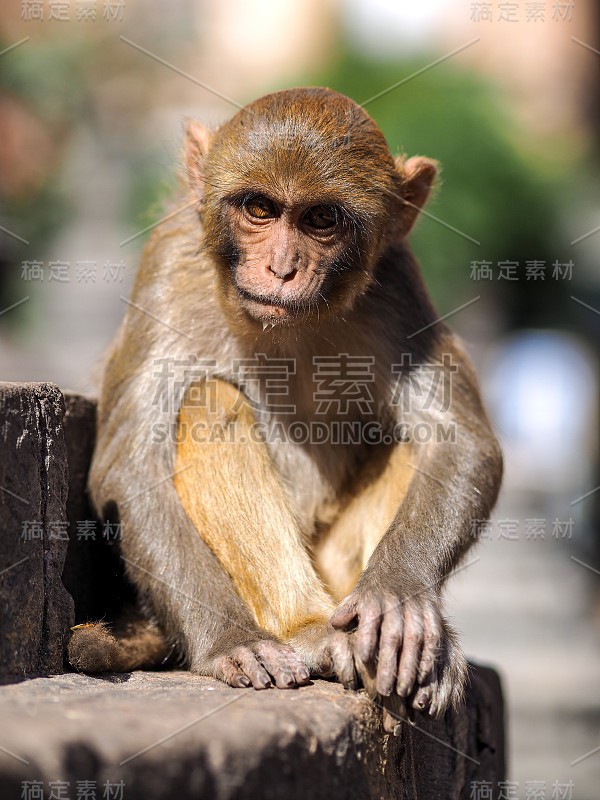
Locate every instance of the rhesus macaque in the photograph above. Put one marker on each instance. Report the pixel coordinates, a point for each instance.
(293, 441)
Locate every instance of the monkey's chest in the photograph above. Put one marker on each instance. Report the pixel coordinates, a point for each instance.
(321, 462)
(323, 431)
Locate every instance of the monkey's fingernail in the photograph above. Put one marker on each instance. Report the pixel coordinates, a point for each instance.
(303, 674)
(397, 729)
(244, 681)
(404, 689)
(421, 700)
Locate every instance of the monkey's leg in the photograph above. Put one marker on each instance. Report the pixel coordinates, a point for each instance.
(237, 502)
(393, 640)
(344, 551)
(341, 556)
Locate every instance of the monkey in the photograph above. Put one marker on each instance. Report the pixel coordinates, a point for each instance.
(294, 442)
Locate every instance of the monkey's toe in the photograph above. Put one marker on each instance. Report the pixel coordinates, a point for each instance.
(93, 649)
(261, 664)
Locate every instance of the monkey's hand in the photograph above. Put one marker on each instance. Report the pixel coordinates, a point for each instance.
(260, 662)
(404, 647)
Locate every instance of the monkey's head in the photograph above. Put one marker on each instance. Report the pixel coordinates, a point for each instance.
(299, 194)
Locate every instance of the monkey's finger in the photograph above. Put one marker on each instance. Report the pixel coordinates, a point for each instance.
(432, 635)
(438, 700)
(230, 673)
(345, 614)
(389, 645)
(251, 667)
(424, 693)
(411, 648)
(451, 674)
(370, 617)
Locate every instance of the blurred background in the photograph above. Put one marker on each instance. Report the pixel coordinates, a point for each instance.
(505, 95)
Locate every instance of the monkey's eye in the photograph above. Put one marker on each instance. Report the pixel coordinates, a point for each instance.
(321, 217)
(260, 207)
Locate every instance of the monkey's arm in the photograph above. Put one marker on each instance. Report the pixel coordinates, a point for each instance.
(396, 604)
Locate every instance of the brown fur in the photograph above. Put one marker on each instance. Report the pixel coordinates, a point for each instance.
(133, 642)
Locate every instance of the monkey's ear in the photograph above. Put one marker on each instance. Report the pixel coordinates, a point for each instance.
(197, 138)
(417, 177)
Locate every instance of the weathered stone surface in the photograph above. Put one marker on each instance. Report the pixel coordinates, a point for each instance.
(173, 734)
(176, 735)
(35, 609)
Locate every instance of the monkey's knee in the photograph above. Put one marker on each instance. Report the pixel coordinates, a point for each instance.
(93, 648)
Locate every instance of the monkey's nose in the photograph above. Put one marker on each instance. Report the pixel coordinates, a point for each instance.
(285, 272)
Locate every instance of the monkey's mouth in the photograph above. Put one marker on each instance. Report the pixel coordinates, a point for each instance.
(271, 309)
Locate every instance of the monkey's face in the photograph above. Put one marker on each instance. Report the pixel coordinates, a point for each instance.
(290, 259)
(299, 194)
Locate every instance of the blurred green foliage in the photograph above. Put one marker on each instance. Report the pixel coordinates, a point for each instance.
(152, 183)
(48, 79)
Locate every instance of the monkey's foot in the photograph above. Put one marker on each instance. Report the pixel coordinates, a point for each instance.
(261, 664)
(327, 653)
